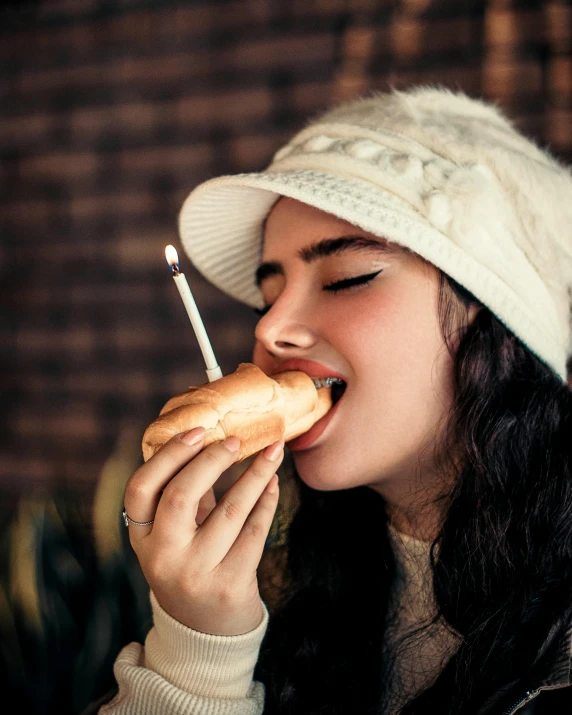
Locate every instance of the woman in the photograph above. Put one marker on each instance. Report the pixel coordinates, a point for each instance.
(420, 247)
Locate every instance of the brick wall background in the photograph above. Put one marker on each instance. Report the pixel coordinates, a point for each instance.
(112, 111)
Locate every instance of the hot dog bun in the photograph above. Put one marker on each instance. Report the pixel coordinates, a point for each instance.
(248, 404)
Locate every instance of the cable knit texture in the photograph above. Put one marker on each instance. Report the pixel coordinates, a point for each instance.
(446, 175)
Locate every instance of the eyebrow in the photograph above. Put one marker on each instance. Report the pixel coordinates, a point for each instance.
(328, 247)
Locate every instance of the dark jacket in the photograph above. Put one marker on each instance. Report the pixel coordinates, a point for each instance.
(550, 692)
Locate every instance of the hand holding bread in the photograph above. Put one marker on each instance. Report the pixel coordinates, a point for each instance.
(203, 575)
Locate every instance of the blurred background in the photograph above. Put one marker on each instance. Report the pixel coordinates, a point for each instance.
(110, 113)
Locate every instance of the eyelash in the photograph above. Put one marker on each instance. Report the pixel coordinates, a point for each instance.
(346, 284)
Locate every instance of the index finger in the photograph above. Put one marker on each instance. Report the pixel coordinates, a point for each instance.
(143, 489)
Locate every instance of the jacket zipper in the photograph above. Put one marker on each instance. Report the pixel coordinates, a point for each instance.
(529, 695)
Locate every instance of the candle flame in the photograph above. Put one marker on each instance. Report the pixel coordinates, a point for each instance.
(172, 256)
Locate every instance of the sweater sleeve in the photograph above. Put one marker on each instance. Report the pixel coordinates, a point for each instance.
(181, 670)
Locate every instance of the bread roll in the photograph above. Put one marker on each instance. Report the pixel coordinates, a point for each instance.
(248, 404)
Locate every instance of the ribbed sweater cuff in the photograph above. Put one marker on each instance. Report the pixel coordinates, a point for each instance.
(200, 663)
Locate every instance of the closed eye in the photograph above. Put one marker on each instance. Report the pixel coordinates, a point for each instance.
(346, 284)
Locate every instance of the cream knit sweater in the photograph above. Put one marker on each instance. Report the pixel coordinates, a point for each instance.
(181, 670)
(418, 661)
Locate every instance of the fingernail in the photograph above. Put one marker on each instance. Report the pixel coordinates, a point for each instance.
(232, 444)
(273, 450)
(273, 485)
(193, 436)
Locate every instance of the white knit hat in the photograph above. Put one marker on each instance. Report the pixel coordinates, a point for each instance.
(443, 174)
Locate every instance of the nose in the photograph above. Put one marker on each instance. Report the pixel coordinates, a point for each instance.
(287, 326)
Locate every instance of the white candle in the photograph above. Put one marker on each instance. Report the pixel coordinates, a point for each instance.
(213, 370)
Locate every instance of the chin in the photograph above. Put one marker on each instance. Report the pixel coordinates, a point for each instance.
(320, 473)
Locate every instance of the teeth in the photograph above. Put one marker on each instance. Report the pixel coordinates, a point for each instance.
(327, 381)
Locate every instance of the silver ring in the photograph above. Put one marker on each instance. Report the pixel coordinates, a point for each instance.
(128, 520)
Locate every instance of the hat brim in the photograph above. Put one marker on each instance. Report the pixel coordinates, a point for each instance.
(220, 223)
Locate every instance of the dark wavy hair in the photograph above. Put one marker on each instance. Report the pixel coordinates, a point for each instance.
(501, 562)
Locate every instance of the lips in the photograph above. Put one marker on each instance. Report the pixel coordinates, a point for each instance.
(311, 368)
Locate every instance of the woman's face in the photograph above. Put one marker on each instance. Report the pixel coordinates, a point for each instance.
(383, 337)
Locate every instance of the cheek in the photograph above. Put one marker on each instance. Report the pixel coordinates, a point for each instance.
(396, 340)
(370, 329)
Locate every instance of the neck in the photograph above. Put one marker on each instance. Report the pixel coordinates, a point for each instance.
(423, 527)
(416, 512)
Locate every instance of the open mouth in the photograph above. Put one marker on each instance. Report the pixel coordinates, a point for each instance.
(337, 384)
(338, 389)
